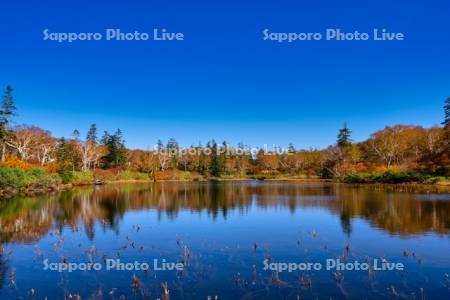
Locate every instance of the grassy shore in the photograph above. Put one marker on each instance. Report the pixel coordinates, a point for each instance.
(15, 181)
(393, 177)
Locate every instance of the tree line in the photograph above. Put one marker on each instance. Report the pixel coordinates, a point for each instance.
(399, 147)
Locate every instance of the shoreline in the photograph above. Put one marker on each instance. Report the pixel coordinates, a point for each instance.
(8, 193)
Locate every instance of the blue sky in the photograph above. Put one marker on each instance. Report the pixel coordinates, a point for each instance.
(223, 81)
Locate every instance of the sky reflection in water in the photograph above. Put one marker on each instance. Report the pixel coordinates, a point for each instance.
(228, 230)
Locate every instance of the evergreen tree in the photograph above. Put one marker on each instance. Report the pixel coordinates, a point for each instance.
(117, 153)
(92, 134)
(119, 134)
(8, 107)
(225, 154)
(105, 137)
(291, 148)
(343, 138)
(446, 122)
(62, 151)
(76, 134)
(7, 111)
(172, 144)
(216, 162)
(67, 159)
(159, 145)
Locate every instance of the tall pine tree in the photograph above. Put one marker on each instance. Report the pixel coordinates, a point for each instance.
(172, 144)
(291, 148)
(92, 134)
(343, 138)
(76, 134)
(159, 145)
(67, 159)
(216, 161)
(117, 153)
(446, 122)
(7, 111)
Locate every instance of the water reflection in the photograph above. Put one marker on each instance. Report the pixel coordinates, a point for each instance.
(24, 220)
(3, 268)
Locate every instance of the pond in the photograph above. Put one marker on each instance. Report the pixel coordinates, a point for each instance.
(226, 240)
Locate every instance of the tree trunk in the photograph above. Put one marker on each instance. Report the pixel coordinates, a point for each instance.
(3, 152)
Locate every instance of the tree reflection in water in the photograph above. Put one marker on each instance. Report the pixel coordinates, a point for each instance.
(24, 220)
(3, 268)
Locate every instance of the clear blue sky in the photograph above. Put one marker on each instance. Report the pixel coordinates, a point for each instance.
(224, 81)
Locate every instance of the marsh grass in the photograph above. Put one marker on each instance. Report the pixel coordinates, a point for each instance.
(391, 177)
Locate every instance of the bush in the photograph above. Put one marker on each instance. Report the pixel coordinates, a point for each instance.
(443, 171)
(398, 177)
(356, 178)
(131, 175)
(116, 174)
(105, 175)
(13, 161)
(12, 177)
(21, 179)
(388, 177)
(177, 175)
(260, 177)
(66, 174)
(82, 178)
(41, 177)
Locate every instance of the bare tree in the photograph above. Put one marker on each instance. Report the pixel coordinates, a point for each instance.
(32, 142)
(164, 160)
(25, 139)
(90, 153)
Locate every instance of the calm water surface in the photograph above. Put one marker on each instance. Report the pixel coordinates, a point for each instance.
(222, 233)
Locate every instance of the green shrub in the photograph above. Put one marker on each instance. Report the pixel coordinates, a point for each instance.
(398, 177)
(82, 177)
(125, 175)
(393, 177)
(443, 171)
(141, 176)
(357, 178)
(185, 175)
(12, 177)
(66, 173)
(43, 178)
(175, 175)
(266, 175)
(20, 179)
(105, 175)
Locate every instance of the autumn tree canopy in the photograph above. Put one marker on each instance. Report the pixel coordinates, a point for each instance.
(398, 147)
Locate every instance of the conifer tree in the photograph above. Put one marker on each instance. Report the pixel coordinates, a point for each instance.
(446, 122)
(216, 162)
(92, 134)
(159, 145)
(7, 111)
(172, 144)
(105, 137)
(117, 153)
(291, 148)
(67, 159)
(8, 108)
(76, 134)
(343, 138)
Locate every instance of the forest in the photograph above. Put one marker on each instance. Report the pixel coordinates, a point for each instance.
(31, 157)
